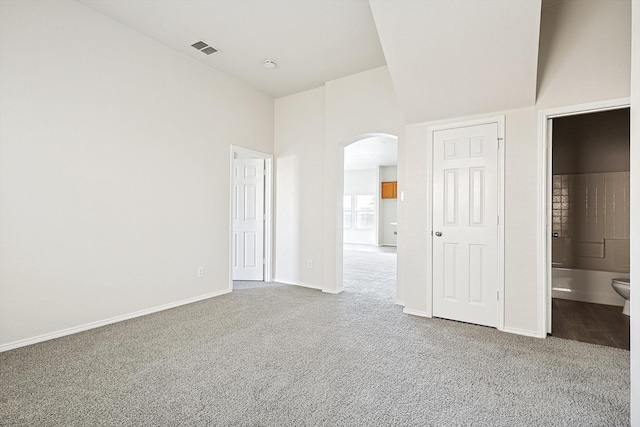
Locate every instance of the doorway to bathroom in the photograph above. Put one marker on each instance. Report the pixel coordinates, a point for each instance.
(588, 236)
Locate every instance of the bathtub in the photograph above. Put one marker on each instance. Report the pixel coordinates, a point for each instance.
(585, 285)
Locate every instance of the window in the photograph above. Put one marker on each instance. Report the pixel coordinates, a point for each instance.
(359, 208)
(365, 211)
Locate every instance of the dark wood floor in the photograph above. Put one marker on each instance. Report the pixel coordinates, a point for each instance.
(592, 323)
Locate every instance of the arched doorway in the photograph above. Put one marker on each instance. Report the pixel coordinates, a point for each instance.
(368, 229)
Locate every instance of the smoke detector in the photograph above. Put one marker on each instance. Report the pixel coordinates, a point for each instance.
(270, 64)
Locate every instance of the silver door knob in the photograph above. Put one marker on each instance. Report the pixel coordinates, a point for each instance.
(438, 234)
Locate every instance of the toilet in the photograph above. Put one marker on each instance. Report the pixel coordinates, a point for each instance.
(623, 288)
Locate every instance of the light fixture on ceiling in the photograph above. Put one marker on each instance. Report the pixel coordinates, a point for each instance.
(270, 64)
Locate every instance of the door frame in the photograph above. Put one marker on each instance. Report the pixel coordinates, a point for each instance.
(500, 121)
(336, 269)
(268, 206)
(544, 197)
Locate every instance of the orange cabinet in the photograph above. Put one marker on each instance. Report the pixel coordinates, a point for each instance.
(389, 190)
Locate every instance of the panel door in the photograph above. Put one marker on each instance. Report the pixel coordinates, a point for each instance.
(465, 218)
(248, 220)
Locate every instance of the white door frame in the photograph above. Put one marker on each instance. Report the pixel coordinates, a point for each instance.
(500, 120)
(268, 205)
(544, 197)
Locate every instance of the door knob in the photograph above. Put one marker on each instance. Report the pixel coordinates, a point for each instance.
(438, 233)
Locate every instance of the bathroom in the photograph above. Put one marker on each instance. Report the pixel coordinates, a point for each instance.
(590, 227)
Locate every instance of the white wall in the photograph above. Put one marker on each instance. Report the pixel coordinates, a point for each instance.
(635, 217)
(585, 52)
(299, 151)
(312, 129)
(355, 105)
(454, 58)
(114, 169)
(361, 182)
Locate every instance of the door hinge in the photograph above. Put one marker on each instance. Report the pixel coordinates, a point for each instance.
(498, 220)
(264, 261)
(497, 295)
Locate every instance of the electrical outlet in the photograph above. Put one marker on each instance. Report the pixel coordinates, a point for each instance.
(309, 264)
(200, 272)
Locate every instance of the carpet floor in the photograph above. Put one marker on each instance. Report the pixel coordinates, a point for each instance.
(280, 355)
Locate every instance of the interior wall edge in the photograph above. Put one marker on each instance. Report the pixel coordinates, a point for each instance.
(635, 210)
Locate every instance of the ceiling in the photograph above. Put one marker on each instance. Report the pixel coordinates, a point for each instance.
(370, 153)
(312, 41)
(446, 58)
(458, 58)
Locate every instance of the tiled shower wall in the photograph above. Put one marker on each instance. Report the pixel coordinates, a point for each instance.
(591, 221)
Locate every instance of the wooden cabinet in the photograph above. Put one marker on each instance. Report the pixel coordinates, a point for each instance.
(389, 190)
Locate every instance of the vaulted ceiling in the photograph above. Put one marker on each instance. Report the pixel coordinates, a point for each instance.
(457, 58)
(311, 41)
(447, 58)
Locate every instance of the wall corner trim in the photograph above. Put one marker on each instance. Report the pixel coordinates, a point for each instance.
(333, 291)
(526, 333)
(301, 284)
(104, 322)
(418, 313)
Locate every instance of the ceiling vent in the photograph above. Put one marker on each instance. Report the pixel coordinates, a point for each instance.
(204, 48)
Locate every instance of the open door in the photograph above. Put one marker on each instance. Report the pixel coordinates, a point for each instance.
(248, 217)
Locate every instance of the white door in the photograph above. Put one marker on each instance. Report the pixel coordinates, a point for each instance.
(465, 224)
(248, 219)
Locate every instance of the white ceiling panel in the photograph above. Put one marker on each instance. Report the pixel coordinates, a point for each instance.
(452, 58)
(312, 41)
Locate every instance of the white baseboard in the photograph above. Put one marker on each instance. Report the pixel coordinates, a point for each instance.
(333, 291)
(524, 332)
(301, 284)
(99, 323)
(415, 312)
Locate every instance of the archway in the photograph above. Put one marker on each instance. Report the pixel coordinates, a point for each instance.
(367, 226)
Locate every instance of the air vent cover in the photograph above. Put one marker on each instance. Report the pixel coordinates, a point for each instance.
(204, 48)
(209, 50)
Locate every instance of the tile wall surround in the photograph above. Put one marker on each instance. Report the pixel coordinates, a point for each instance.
(590, 221)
